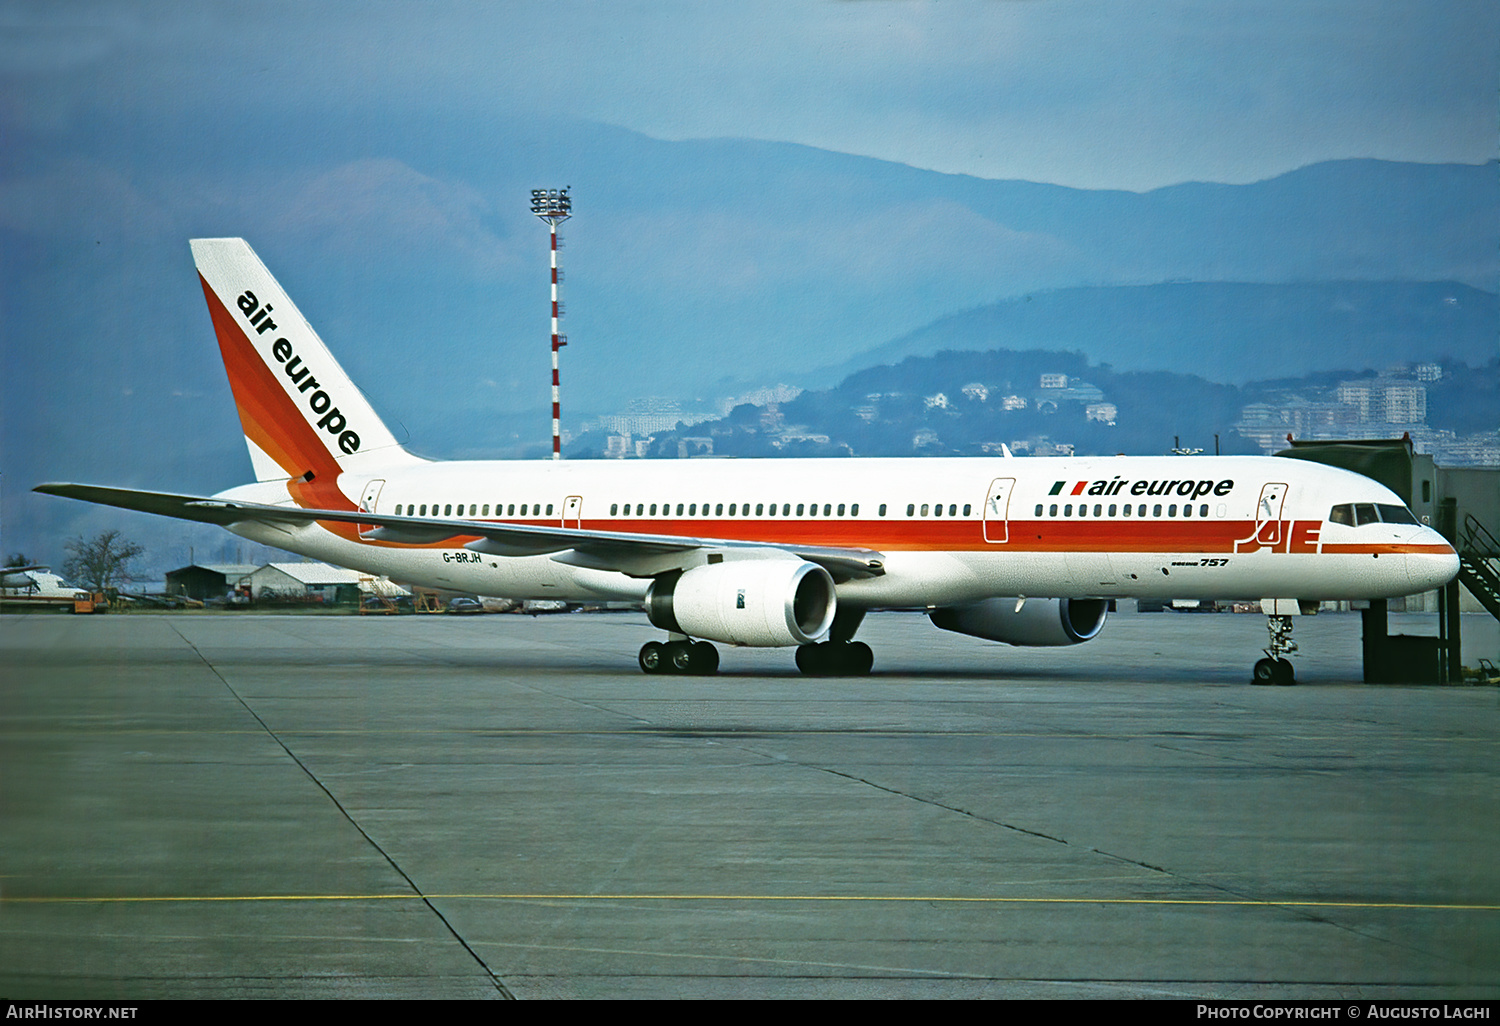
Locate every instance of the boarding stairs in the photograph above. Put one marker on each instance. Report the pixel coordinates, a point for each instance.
(1478, 551)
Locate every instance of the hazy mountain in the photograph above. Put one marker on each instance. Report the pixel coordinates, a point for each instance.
(1224, 332)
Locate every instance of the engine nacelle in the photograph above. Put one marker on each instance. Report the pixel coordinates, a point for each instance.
(760, 602)
(1040, 621)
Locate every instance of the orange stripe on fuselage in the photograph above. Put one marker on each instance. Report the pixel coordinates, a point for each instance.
(1216, 536)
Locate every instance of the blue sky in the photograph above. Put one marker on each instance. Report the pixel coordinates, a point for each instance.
(374, 153)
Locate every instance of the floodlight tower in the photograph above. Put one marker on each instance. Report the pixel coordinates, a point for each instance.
(554, 206)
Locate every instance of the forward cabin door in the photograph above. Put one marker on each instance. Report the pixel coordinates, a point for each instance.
(1268, 514)
(573, 511)
(369, 499)
(997, 510)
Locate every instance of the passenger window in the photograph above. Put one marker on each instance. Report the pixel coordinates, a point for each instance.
(1068, 510)
(841, 509)
(800, 508)
(653, 509)
(732, 508)
(549, 509)
(910, 509)
(1083, 510)
(812, 509)
(1127, 510)
(786, 509)
(827, 508)
(1098, 510)
(952, 509)
(679, 509)
(1038, 509)
(937, 510)
(1053, 511)
(1203, 510)
(424, 509)
(854, 510)
(924, 509)
(1172, 510)
(523, 509)
(882, 509)
(1111, 509)
(719, 510)
(1156, 510)
(968, 509)
(486, 511)
(1187, 510)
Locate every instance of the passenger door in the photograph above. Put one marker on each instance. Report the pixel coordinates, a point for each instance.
(369, 499)
(997, 510)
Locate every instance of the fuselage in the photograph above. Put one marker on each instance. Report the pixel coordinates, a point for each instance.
(950, 530)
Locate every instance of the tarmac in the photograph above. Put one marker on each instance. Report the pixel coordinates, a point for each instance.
(239, 805)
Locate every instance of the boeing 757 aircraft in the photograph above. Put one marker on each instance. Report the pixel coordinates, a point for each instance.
(780, 552)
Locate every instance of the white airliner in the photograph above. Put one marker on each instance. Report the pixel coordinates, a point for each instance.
(780, 552)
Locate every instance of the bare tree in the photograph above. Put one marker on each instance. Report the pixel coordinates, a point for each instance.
(101, 562)
(18, 559)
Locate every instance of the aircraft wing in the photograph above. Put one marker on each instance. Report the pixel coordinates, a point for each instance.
(641, 555)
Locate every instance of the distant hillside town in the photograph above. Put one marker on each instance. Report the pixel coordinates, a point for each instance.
(1044, 403)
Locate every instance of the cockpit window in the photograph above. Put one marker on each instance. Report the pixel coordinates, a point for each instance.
(1358, 514)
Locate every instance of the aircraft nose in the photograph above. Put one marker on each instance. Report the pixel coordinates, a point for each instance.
(1436, 566)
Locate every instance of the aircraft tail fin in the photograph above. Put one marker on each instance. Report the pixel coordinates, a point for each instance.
(302, 416)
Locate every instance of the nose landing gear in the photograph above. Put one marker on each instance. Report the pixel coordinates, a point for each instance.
(1276, 668)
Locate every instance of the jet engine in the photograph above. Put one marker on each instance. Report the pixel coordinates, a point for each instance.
(760, 602)
(1038, 622)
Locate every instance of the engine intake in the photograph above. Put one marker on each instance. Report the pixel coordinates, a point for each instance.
(765, 603)
(1040, 621)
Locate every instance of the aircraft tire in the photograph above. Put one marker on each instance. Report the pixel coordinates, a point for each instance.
(1265, 672)
(652, 657)
(678, 656)
(705, 659)
(861, 658)
(1286, 675)
(810, 659)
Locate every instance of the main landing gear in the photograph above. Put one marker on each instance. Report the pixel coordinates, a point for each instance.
(1276, 668)
(695, 658)
(836, 659)
(840, 655)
